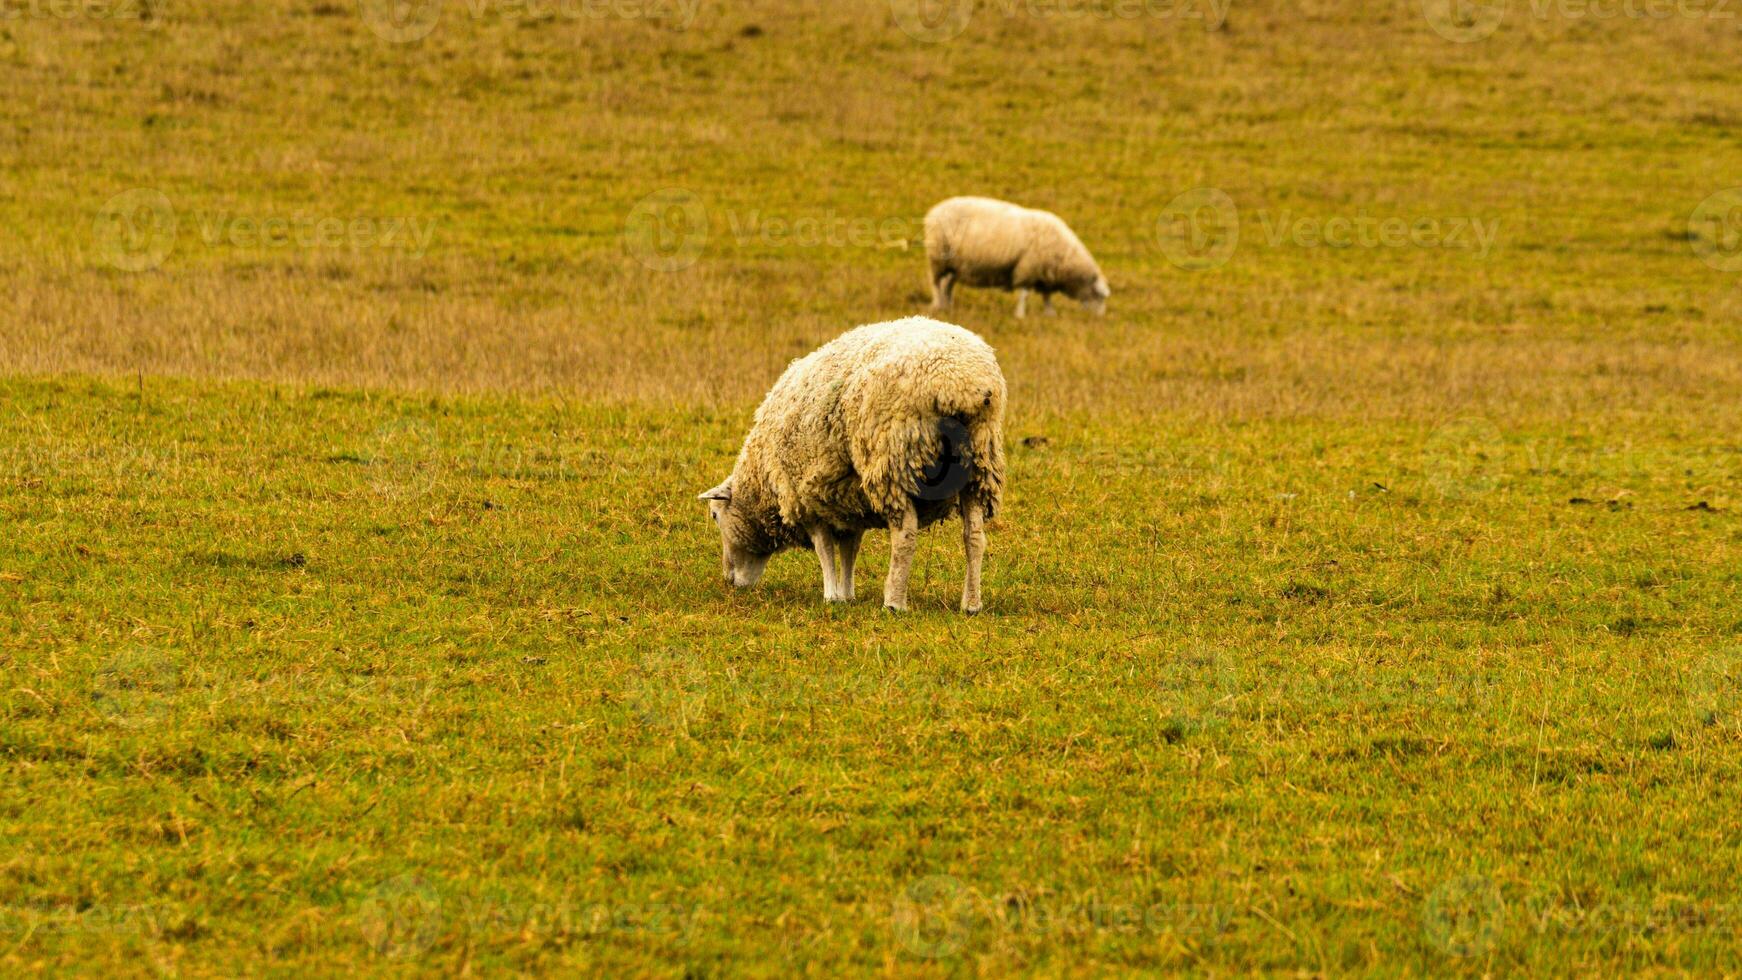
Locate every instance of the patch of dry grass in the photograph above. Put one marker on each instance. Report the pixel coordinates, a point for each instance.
(523, 145)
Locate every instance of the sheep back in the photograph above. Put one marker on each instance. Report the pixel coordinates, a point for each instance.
(996, 244)
(845, 434)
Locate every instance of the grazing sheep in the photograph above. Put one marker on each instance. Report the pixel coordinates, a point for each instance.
(976, 241)
(895, 425)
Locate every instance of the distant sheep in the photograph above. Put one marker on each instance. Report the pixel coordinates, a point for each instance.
(895, 425)
(977, 241)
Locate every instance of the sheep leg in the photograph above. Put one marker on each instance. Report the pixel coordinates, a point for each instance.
(974, 544)
(903, 536)
(824, 542)
(1021, 303)
(943, 287)
(848, 544)
(1046, 307)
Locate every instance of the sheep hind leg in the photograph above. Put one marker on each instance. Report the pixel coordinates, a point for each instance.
(1021, 303)
(848, 543)
(974, 546)
(903, 536)
(943, 286)
(824, 543)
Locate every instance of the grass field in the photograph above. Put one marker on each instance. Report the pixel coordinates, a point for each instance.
(1368, 598)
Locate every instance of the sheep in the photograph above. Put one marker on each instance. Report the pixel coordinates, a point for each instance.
(895, 425)
(977, 241)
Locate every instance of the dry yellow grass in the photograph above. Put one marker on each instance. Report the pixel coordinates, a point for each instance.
(1365, 609)
(523, 144)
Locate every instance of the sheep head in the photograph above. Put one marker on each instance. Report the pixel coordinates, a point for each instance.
(743, 567)
(1094, 295)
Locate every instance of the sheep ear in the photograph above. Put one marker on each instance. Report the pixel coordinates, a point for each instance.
(721, 492)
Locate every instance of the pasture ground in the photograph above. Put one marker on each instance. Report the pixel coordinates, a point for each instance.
(1369, 607)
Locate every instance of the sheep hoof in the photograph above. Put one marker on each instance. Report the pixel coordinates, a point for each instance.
(975, 611)
(894, 609)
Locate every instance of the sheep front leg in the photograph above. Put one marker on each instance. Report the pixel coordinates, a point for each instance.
(903, 536)
(848, 544)
(974, 545)
(824, 542)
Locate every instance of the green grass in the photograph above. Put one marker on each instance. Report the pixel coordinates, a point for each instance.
(324, 679)
(1356, 610)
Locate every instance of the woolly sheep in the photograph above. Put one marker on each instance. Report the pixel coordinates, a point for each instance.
(895, 425)
(977, 241)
